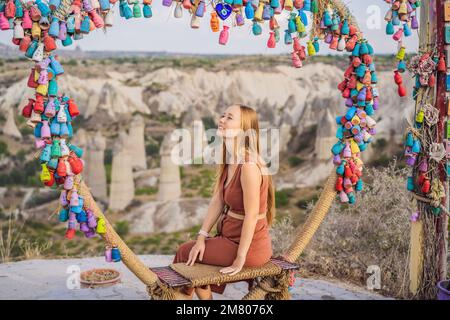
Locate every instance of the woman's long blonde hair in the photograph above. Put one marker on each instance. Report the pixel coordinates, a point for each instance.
(249, 124)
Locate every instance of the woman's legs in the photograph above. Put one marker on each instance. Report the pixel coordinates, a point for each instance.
(187, 293)
(204, 292)
(218, 251)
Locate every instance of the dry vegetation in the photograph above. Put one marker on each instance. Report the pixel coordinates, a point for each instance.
(374, 231)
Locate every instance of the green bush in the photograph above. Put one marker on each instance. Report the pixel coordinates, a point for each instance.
(380, 144)
(25, 131)
(154, 240)
(209, 123)
(152, 149)
(108, 169)
(381, 161)
(71, 62)
(176, 63)
(182, 175)
(3, 148)
(108, 156)
(21, 155)
(122, 227)
(146, 191)
(195, 183)
(164, 117)
(303, 203)
(24, 174)
(281, 198)
(295, 161)
(205, 192)
(40, 198)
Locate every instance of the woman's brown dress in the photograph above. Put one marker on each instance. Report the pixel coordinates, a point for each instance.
(221, 250)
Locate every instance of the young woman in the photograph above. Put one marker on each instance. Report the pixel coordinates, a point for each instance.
(245, 191)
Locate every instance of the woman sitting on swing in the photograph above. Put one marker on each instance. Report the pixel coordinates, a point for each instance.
(244, 194)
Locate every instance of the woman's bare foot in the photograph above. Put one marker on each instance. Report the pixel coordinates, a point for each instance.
(204, 292)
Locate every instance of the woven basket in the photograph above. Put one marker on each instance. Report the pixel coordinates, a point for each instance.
(88, 278)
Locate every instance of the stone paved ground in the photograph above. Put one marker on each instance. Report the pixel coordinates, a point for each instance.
(46, 279)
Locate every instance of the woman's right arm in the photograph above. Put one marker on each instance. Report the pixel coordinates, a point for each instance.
(214, 209)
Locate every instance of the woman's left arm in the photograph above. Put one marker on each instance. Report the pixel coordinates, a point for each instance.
(250, 182)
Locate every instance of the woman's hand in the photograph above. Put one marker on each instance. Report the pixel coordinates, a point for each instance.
(197, 250)
(237, 266)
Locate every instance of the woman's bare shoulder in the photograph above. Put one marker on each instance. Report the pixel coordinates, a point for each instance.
(250, 171)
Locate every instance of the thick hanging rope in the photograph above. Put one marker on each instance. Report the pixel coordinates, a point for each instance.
(133, 263)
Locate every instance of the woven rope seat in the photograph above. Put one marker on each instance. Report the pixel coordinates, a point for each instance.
(179, 274)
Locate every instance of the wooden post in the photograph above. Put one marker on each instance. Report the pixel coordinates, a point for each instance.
(441, 93)
(416, 235)
(416, 256)
(432, 25)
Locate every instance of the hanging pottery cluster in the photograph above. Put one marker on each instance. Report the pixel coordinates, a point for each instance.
(234, 12)
(339, 34)
(49, 112)
(76, 213)
(357, 127)
(424, 68)
(131, 8)
(39, 23)
(401, 19)
(423, 154)
(296, 30)
(37, 26)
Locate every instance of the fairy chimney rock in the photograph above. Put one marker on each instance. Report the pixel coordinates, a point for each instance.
(193, 123)
(81, 139)
(122, 183)
(169, 179)
(95, 172)
(325, 137)
(10, 128)
(137, 145)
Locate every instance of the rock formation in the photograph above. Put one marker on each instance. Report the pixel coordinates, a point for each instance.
(10, 128)
(325, 137)
(122, 183)
(167, 216)
(94, 168)
(169, 179)
(95, 172)
(192, 122)
(137, 143)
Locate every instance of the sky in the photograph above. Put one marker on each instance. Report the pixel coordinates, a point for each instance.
(164, 32)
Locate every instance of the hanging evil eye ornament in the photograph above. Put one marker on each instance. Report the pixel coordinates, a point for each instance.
(223, 10)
